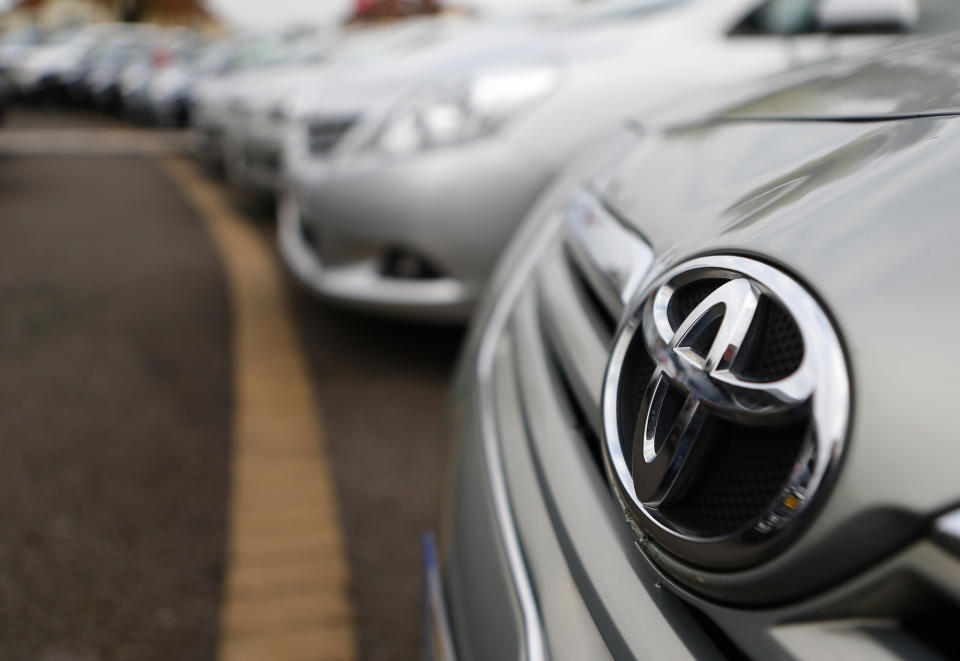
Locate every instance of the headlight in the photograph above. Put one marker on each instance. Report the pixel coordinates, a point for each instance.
(298, 106)
(170, 83)
(463, 111)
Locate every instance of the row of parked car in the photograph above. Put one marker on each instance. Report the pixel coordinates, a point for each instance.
(403, 155)
(692, 417)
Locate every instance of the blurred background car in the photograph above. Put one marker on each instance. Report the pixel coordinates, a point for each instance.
(170, 93)
(41, 70)
(649, 465)
(16, 43)
(175, 46)
(224, 93)
(265, 102)
(406, 181)
(102, 81)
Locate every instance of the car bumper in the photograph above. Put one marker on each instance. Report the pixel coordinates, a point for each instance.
(28, 84)
(136, 105)
(254, 155)
(171, 110)
(210, 143)
(106, 95)
(360, 282)
(450, 210)
(437, 634)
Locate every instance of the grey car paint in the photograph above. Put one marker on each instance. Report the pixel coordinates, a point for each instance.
(364, 203)
(844, 177)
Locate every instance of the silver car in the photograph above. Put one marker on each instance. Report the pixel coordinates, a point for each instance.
(42, 68)
(692, 418)
(257, 126)
(402, 197)
(218, 95)
(170, 94)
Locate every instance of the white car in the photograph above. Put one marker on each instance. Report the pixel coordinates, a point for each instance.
(218, 96)
(16, 44)
(262, 104)
(41, 68)
(252, 113)
(171, 94)
(402, 199)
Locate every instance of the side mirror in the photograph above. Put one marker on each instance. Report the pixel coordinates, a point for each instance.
(867, 15)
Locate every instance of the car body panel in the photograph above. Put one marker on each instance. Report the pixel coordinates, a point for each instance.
(432, 187)
(859, 209)
(908, 80)
(878, 190)
(607, 71)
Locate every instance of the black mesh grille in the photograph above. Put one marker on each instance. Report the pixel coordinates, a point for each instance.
(590, 298)
(744, 469)
(779, 348)
(325, 134)
(634, 379)
(687, 297)
(406, 264)
(262, 157)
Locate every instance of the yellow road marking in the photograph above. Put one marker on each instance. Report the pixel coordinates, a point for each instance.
(286, 595)
(93, 140)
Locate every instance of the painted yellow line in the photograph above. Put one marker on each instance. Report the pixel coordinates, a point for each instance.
(93, 140)
(287, 586)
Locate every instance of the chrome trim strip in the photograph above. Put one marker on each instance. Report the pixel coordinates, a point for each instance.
(949, 524)
(613, 258)
(823, 366)
(535, 645)
(437, 633)
(576, 336)
(947, 530)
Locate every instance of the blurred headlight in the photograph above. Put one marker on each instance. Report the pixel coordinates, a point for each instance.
(170, 82)
(462, 112)
(299, 106)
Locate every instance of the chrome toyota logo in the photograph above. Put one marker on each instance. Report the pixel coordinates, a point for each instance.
(725, 409)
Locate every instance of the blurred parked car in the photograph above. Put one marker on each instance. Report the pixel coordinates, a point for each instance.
(174, 47)
(263, 103)
(170, 93)
(102, 79)
(686, 422)
(16, 44)
(401, 199)
(246, 120)
(217, 98)
(42, 69)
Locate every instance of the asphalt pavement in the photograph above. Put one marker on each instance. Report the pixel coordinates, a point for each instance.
(117, 372)
(382, 389)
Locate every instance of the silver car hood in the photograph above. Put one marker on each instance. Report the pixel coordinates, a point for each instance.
(864, 213)
(918, 77)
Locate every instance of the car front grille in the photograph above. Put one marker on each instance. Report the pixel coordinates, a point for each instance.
(548, 373)
(324, 134)
(262, 157)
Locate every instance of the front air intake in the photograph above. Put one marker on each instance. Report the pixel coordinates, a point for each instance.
(324, 134)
